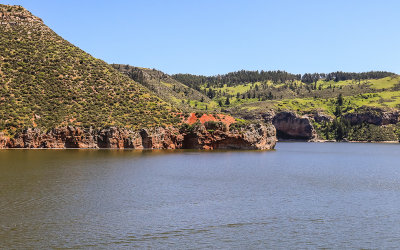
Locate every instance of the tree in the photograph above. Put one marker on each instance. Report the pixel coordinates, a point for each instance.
(340, 100)
(227, 102)
(210, 94)
(338, 111)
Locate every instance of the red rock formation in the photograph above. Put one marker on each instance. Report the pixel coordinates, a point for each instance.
(226, 119)
(254, 136)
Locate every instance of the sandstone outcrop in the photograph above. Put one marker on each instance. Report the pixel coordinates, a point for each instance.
(253, 136)
(291, 126)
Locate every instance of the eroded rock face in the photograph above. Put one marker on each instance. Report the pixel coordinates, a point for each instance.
(321, 117)
(291, 126)
(160, 138)
(3, 141)
(374, 116)
(254, 136)
(75, 137)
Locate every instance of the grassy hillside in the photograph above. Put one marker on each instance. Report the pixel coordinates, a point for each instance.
(47, 82)
(168, 88)
(383, 93)
(294, 94)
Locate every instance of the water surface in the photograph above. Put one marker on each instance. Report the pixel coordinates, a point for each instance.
(303, 195)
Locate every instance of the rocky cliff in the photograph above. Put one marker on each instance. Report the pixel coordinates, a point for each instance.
(291, 126)
(370, 115)
(253, 136)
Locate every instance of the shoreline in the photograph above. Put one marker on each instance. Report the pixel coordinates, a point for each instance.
(333, 141)
(201, 150)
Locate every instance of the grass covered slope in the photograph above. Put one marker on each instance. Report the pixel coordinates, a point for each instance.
(257, 91)
(47, 82)
(305, 98)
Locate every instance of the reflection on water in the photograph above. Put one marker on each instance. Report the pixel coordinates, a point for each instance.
(303, 195)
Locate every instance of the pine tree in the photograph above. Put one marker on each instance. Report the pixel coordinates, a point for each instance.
(227, 102)
(340, 100)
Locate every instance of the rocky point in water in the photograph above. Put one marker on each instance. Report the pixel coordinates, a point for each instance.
(200, 133)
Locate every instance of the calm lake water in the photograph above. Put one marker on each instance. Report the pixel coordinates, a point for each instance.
(303, 195)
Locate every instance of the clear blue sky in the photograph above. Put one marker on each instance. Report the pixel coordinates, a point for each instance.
(218, 36)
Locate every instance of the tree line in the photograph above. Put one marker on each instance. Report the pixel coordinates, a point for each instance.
(246, 76)
(343, 76)
(236, 78)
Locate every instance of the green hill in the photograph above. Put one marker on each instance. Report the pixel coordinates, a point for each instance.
(47, 82)
(258, 91)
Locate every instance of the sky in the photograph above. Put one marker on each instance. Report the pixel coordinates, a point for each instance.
(210, 37)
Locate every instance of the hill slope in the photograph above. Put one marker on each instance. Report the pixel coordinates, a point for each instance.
(47, 82)
(167, 87)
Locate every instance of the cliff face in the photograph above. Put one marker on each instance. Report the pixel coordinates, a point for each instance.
(374, 116)
(291, 126)
(254, 136)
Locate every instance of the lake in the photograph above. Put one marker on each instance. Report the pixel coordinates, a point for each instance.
(302, 195)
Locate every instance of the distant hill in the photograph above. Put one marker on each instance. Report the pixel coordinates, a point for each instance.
(46, 82)
(167, 87)
(335, 106)
(243, 91)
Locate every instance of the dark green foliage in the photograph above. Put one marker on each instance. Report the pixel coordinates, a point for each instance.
(211, 126)
(235, 78)
(245, 76)
(310, 78)
(227, 102)
(340, 100)
(238, 125)
(370, 132)
(340, 130)
(342, 76)
(186, 128)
